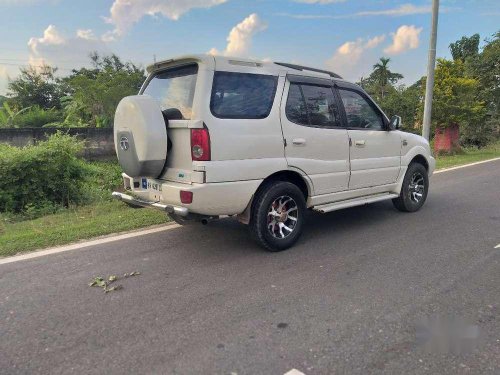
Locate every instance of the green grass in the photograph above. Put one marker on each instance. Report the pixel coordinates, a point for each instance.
(74, 224)
(468, 156)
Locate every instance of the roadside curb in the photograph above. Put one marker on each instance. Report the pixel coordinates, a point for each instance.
(141, 232)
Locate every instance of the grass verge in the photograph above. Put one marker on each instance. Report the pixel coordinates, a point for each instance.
(74, 224)
(468, 156)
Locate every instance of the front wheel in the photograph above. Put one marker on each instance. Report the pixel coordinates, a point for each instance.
(414, 190)
(278, 216)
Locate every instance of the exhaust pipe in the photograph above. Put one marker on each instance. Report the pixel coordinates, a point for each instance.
(208, 219)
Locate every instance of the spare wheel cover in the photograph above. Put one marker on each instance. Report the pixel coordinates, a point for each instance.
(140, 136)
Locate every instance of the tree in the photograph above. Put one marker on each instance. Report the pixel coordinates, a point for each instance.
(465, 48)
(405, 102)
(95, 93)
(456, 101)
(485, 68)
(35, 87)
(382, 77)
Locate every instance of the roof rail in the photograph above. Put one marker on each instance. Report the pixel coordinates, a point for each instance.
(300, 67)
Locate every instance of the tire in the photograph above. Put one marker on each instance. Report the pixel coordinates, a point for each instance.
(414, 189)
(269, 229)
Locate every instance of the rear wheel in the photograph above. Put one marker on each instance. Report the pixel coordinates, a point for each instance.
(414, 190)
(278, 215)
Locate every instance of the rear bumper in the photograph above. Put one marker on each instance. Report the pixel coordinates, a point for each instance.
(209, 199)
(171, 209)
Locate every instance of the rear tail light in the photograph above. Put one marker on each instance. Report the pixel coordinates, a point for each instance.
(200, 144)
(186, 197)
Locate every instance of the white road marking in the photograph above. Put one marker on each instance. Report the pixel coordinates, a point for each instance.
(294, 372)
(80, 245)
(100, 241)
(465, 165)
(497, 246)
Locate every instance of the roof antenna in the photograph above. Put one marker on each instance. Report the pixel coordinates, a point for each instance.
(154, 59)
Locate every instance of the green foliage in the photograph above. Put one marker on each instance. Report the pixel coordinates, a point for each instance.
(381, 80)
(95, 92)
(87, 97)
(405, 102)
(42, 176)
(35, 87)
(36, 117)
(100, 179)
(465, 48)
(485, 68)
(8, 115)
(454, 100)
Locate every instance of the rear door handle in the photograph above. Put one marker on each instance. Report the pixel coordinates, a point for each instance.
(299, 141)
(360, 142)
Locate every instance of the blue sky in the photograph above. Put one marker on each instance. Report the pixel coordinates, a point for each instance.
(347, 36)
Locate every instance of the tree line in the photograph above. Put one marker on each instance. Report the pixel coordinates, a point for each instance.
(87, 97)
(466, 92)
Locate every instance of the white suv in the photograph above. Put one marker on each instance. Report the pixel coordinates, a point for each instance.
(214, 136)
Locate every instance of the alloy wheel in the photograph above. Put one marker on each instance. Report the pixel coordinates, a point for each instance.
(282, 217)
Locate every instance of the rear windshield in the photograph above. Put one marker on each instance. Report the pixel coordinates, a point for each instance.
(242, 95)
(174, 90)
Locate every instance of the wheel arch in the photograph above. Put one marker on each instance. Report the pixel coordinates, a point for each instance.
(292, 176)
(419, 158)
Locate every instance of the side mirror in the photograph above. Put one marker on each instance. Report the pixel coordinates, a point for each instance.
(395, 123)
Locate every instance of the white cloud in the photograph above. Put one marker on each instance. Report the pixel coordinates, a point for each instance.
(346, 58)
(85, 34)
(240, 37)
(53, 48)
(402, 10)
(404, 39)
(125, 13)
(374, 42)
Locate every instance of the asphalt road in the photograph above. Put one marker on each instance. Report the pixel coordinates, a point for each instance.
(347, 299)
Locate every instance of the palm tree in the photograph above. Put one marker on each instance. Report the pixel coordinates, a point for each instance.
(383, 77)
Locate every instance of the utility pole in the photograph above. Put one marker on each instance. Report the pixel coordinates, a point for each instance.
(431, 64)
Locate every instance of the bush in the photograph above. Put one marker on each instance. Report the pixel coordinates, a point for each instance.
(101, 178)
(37, 117)
(42, 177)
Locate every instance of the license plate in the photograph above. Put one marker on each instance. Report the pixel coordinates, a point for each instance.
(151, 185)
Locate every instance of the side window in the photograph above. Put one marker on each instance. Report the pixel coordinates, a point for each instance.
(360, 114)
(242, 95)
(312, 105)
(321, 105)
(295, 106)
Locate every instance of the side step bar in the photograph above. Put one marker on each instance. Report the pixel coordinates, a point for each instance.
(354, 202)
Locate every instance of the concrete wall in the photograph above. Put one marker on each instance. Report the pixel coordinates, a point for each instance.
(99, 143)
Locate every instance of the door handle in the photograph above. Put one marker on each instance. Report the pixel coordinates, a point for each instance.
(299, 141)
(360, 143)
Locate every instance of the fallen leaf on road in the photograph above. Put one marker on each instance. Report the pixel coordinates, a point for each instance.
(103, 283)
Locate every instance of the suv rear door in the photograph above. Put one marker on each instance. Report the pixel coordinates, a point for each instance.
(316, 142)
(375, 152)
